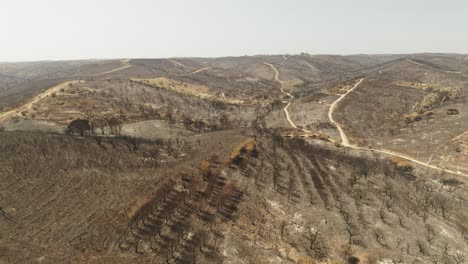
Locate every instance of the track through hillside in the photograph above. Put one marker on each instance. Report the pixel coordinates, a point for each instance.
(344, 138)
(290, 96)
(35, 100)
(426, 65)
(125, 63)
(194, 72)
(313, 68)
(179, 63)
(345, 141)
(54, 89)
(187, 67)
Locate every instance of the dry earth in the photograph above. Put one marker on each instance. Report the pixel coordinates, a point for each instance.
(262, 159)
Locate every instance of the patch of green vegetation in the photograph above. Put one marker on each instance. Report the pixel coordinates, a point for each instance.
(294, 86)
(437, 97)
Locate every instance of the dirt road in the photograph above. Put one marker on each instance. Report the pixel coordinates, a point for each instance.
(344, 138)
(345, 141)
(459, 136)
(422, 64)
(291, 97)
(35, 100)
(312, 67)
(49, 91)
(194, 72)
(125, 65)
(178, 63)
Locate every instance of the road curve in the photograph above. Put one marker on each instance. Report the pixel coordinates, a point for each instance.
(35, 100)
(345, 141)
(285, 109)
(344, 138)
(54, 89)
(291, 97)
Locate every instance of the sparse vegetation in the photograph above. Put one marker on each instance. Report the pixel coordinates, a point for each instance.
(437, 97)
(164, 163)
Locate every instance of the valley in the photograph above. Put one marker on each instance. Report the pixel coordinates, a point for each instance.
(253, 159)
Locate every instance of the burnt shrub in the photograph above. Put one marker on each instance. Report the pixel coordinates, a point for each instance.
(78, 126)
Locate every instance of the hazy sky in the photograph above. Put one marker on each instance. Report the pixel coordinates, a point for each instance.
(82, 29)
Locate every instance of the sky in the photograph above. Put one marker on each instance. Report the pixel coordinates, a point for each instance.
(96, 29)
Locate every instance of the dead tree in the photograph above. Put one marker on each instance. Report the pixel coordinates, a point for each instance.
(430, 234)
(80, 126)
(282, 228)
(316, 243)
(380, 237)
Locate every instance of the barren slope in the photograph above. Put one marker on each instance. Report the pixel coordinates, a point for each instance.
(201, 160)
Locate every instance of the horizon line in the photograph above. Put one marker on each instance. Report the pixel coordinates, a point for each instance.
(236, 56)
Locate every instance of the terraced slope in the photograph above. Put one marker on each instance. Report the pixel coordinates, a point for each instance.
(235, 160)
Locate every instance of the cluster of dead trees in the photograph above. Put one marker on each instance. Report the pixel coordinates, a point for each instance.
(79, 126)
(194, 125)
(112, 121)
(371, 189)
(180, 222)
(224, 122)
(317, 245)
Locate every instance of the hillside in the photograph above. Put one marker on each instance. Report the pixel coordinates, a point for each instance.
(260, 159)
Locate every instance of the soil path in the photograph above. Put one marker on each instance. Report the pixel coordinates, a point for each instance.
(54, 89)
(344, 138)
(188, 67)
(125, 65)
(290, 96)
(179, 63)
(345, 141)
(194, 72)
(426, 65)
(35, 100)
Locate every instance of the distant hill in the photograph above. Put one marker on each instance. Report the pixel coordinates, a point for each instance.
(255, 159)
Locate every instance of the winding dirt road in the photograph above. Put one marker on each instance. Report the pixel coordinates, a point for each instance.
(344, 138)
(345, 141)
(54, 89)
(291, 97)
(35, 100)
